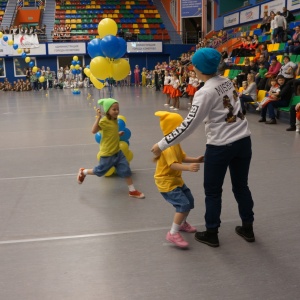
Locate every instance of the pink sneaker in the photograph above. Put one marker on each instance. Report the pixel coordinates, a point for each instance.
(187, 228)
(137, 194)
(80, 176)
(177, 239)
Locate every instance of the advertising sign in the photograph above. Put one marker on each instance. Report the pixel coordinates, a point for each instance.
(191, 8)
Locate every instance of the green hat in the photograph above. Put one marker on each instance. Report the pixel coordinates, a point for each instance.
(107, 103)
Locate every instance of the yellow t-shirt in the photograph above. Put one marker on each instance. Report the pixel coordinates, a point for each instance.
(109, 144)
(167, 179)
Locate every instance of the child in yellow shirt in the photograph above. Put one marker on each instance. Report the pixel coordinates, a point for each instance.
(170, 183)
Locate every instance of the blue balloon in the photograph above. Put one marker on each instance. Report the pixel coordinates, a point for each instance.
(122, 125)
(88, 66)
(31, 64)
(78, 71)
(122, 47)
(98, 137)
(74, 72)
(77, 62)
(38, 74)
(15, 46)
(126, 136)
(74, 62)
(94, 48)
(110, 46)
(5, 38)
(23, 55)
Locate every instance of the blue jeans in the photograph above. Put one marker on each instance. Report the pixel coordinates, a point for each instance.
(237, 157)
(245, 98)
(270, 108)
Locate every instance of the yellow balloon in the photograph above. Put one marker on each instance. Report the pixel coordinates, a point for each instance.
(72, 67)
(27, 59)
(107, 26)
(10, 42)
(97, 84)
(87, 72)
(120, 69)
(110, 172)
(122, 118)
(34, 69)
(75, 58)
(41, 79)
(100, 67)
(1, 35)
(77, 67)
(129, 155)
(124, 147)
(19, 50)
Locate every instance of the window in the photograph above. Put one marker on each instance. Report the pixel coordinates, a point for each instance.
(63, 61)
(20, 66)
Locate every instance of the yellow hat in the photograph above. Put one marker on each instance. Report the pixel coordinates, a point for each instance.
(168, 121)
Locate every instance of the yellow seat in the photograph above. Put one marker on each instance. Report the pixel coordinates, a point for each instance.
(135, 26)
(78, 21)
(280, 58)
(68, 11)
(116, 11)
(115, 16)
(57, 7)
(270, 47)
(155, 11)
(241, 89)
(104, 16)
(226, 72)
(146, 11)
(74, 11)
(136, 31)
(128, 6)
(68, 21)
(73, 21)
(261, 95)
(109, 15)
(142, 16)
(73, 26)
(93, 2)
(144, 21)
(157, 16)
(146, 26)
(275, 47)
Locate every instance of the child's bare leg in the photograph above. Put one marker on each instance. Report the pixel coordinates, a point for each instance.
(179, 218)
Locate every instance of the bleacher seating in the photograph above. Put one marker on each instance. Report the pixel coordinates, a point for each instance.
(140, 18)
(2, 9)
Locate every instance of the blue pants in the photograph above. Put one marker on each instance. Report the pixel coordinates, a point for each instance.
(245, 98)
(237, 157)
(270, 108)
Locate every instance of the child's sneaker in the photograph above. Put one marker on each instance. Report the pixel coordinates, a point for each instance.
(175, 108)
(187, 227)
(171, 106)
(136, 194)
(177, 239)
(80, 176)
(258, 108)
(166, 104)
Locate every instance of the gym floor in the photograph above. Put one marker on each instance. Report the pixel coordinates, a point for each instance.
(61, 240)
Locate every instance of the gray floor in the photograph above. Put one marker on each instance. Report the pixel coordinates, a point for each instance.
(61, 240)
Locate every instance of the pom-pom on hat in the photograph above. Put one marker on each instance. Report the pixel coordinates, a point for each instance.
(107, 103)
(206, 60)
(168, 121)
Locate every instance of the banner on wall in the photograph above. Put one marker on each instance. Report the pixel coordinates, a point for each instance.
(191, 8)
(144, 47)
(231, 20)
(26, 41)
(66, 48)
(274, 6)
(293, 4)
(249, 15)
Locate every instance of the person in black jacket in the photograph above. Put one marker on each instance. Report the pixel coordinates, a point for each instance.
(284, 99)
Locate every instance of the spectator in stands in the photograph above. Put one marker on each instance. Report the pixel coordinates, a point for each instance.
(239, 50)
(293, 45)
(273, 71)
(288, 68)
(6, 31)
(249, 94)
(284, 98)
(280, 27)
(261, 73)
(246, 68)
(273, 25)
(294, 121)
(289, 17)
(265, 23)
(224, 53)
(264, 51)
(254, 43)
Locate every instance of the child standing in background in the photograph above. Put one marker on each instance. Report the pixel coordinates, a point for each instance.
(175, 94)
(193, 87)
(144, 77)
(136, 75)
(110, 153)
(169, 182)
(166, 89)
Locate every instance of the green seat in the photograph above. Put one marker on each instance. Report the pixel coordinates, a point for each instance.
(231, 74)
(295, 100)
(293, 58)
(281, 47)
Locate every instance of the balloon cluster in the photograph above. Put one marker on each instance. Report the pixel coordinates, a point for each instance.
(106, 53)
(35, 70)
(76, 70)
(124, 143)
(10, 42)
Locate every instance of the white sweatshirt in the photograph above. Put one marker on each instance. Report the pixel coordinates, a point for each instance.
(218, 106)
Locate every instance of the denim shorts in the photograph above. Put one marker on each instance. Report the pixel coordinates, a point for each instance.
(181, 198)
(117, 160)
